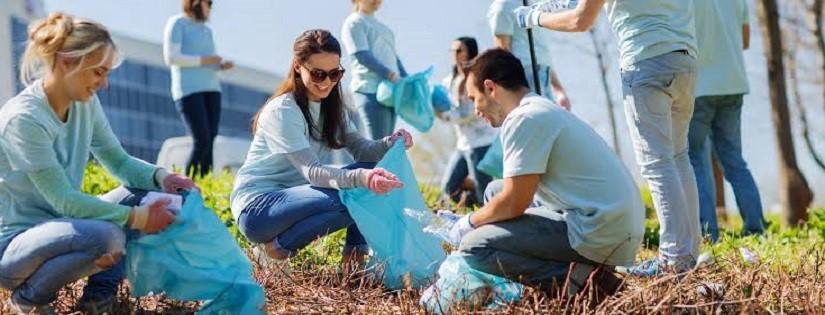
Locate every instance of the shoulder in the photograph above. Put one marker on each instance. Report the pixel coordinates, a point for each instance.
(280, 108)
(26, 107)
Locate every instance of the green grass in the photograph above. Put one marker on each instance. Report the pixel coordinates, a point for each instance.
(785, 278)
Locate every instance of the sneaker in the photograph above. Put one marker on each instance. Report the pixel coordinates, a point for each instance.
(262, 259)
(102, 306)
(656, 267)
(24, 309)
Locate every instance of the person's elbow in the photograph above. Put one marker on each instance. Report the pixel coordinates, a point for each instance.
(582, 23)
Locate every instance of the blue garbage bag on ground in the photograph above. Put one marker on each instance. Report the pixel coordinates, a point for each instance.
(493, 161)
(460, 283)
(441, 99)
(195, 259)
(411, 97)
(398, 241)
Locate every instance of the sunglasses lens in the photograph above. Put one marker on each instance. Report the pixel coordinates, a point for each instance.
(318, 75)
(336, 75)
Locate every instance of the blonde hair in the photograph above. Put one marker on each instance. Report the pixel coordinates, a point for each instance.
(62, 35)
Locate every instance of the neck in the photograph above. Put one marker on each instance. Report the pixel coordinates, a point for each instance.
(57, 97)
(362, 11)
(511, 100)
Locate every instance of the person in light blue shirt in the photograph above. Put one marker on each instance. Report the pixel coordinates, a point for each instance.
(189, 51)
(722, 31)
(657, 47)
(371, 47)
(473, 135)
(565, 197)
(284, 197)
(51, 233)
(507, 35)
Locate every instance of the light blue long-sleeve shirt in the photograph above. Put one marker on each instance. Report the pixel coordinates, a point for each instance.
(185, 41)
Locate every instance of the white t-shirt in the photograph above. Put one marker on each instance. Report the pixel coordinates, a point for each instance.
(471, 131)
(502, 21)
(580, 175)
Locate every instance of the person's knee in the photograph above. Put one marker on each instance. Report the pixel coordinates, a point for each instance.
(493, 188)
(107, 242)
(475, 248)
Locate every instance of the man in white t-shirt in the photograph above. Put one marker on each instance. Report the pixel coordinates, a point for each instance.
(565, 197)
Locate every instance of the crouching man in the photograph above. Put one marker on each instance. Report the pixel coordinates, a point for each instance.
(565, 197)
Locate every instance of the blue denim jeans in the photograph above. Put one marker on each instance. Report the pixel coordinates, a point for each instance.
(296, 216)
(48, 256)
(658, 97)
(533, 248)
(716, 123)
(461, 165)
(201, 114)
(379, 120)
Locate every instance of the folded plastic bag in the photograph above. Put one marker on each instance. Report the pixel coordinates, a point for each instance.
(195, 259)
(493, 161)
(458, 283)
(411, 97)
(400, 246)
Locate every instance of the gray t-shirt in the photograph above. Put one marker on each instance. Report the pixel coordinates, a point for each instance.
(580, 175)
(502, 21)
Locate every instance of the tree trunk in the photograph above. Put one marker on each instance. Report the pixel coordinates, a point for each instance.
(795, 194)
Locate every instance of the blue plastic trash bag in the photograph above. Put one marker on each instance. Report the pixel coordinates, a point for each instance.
(441, 99)
(411, 98)
(458, 283)
(398, 242)
(493, 161)
(195, 259)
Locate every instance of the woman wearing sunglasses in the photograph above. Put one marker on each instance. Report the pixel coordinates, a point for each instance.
(371, 47)
(189, 51)
(473, 134)
(284, 197)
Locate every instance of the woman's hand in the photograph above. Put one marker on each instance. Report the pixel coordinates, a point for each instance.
(380, 181)
(402, 134)
(152, 218)
(211, 60)
(171, 183)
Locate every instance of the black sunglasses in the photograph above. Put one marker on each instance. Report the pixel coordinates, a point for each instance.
(319, 76)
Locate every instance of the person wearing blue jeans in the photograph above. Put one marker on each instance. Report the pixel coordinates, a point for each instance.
(722, 30)
(284, 197)
(565, 197)
(51, 233)
(473, 135)
(189, 51)
(371, 48)
(657, 44)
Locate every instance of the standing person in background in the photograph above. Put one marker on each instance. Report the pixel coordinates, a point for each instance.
(189, 50)
(371, 48)
(508, 36)
(657, 44)
(473, 134)
(51, 233)
(722, 32)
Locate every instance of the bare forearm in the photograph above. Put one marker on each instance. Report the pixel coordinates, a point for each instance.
(579, 19)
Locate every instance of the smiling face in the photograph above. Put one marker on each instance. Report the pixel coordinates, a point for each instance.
(325, 63)
(83, 78)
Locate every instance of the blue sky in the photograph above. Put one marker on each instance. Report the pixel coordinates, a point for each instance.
(259, 33)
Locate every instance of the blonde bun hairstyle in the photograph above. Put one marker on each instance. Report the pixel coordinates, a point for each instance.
(61, 35)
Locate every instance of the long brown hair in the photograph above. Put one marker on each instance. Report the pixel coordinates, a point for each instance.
(333, 117)
(192, 9)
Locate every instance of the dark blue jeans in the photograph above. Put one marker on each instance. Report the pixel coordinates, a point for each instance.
(717, 123)
(201, 113)
(461, 165)
(379, 120)
(296, 216)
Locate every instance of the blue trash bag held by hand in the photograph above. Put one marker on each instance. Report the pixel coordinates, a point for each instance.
(398, 240)
(411, 97)
(441, 99)
(195, 259)
(458, 283)
(493, 161)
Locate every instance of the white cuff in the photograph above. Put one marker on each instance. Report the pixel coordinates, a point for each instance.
(140, 216)
(160, 175)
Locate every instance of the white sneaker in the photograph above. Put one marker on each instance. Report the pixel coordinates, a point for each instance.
(260, 258)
